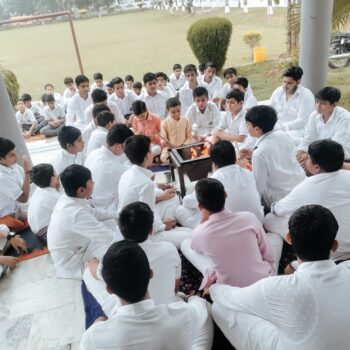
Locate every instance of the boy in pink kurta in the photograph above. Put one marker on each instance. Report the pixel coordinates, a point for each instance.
(235, 243)
(148, 124)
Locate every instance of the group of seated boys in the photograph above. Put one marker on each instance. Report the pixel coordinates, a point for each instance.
(280, 176)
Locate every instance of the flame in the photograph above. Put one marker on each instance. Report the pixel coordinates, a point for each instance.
(198, 152)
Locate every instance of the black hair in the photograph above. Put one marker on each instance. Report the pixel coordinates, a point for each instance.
(50, 98)
(129, 78)
(136, 148)
(137, 85)
(98, 95)
(136, 221)
(149, 77)
(200, 91)
(293, 72)
(98, 76)
(117, 80)
(242, 81)
(330, 94)
(161, 75)
(138, 107)
(44, 98)
(68, 135)
(41, 174)
(19, 100)
(190, 68)
(126, 271)
(264, 117)
(327, 154)
(6, 146)
(48, 85)
(210, 193)
(201, 67)
(117, 134)
(177, 66)
(210, 65)
(222, 153)
(74, 177)
(104, 118)
(80, 79)
(99, 108)
(68, 80)
(230, 71)
(236, 94)
(172, 102)
(26, 97)
(313, 229)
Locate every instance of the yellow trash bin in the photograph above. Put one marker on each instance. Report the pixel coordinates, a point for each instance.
(259, 54)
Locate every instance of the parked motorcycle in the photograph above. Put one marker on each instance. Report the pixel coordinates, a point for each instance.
(340, 44)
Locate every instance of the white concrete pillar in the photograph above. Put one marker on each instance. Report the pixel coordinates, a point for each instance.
(8, 124)
(315, 33)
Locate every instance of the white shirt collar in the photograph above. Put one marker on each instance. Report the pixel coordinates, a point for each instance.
(137, 308)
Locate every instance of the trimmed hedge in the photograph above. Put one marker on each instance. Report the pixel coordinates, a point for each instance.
(209, 40)
(11, 84)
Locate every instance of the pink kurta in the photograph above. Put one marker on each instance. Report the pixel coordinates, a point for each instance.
(237, 245)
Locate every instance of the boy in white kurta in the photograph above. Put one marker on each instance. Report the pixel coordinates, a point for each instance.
(211, 81)
(76, 234)
(136, 185)
(138, 322)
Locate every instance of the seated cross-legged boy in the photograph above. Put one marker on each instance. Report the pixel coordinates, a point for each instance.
(328, 121)
(50, 90)
(122, 97)
(250, 100)
(26, 120)
(211, 81)
(136, 223)
(328, 186)
(136, 185)
(177, 78)
(76, 233)
(167, 90)
(98, 137)
(43, 200)
(306, 310)
(15, 186)
(232, 248)
(175, 131)
(27, 99)
(139, 323)
(54, 115)
(99, 83)
(72, 146)
(107, 164)
(78, 103)
(203, 115)
(232, 126)
(99, 97)
(239, 184)
(129, 81)
(155, 100)
(146, 123)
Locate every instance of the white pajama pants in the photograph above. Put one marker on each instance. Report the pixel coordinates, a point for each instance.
(175, 236)
(167, 208)
(187, 217)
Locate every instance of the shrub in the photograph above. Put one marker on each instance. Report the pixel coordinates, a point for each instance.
(252, 39)
(11, 84)
(209, 40)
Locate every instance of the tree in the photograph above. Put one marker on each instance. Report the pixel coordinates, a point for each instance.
(252, 39)
(209, 39)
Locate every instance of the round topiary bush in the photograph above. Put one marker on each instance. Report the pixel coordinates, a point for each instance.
(209, 39)
(11, 84)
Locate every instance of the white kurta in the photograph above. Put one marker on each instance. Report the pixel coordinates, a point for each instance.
(186, 97)
(119, 118)
(147, 326)
(155, 104)
(75, 235)
(214, 87)
(227, 88)
(40, 208)
(26, 118)
(63, 159)
(97, 139)
(76, 111)
(106, 169)
(306, 310)
(177, 83)
(337, 129)
(275, 167)
(124, 104)
(165, 263)
(204, 124)
(54, 114)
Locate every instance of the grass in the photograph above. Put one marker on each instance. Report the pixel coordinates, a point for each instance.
(135, 43)
(131, 43)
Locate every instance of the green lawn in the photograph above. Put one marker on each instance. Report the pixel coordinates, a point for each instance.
(125, 44)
